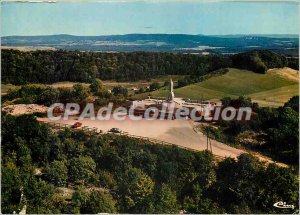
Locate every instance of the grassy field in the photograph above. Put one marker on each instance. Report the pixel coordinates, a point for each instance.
(271, 89)
(275, 97)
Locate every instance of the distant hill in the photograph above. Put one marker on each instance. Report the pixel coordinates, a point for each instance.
(270, 89)
(228, 44)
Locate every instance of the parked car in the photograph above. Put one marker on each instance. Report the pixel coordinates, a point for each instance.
(77, 125)
(115, 130)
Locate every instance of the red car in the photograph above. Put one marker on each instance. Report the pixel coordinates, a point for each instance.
(77, 125)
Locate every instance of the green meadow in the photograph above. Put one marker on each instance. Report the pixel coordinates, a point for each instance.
(266, 89)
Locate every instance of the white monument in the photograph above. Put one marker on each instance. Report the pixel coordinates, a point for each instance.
(171, 93)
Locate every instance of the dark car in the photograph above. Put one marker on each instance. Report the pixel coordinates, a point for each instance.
(115, 130)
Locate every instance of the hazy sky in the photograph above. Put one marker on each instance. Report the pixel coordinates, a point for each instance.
(124, 17)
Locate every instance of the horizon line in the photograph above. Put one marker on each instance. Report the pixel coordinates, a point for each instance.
(239, 34)
(150, 1)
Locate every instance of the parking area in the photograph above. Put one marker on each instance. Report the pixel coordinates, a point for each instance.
(178, 132)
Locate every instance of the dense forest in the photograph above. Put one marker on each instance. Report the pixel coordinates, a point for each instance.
(273, 131)
(117, 174)
(53, 66)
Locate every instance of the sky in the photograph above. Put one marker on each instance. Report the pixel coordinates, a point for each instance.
(112, 17)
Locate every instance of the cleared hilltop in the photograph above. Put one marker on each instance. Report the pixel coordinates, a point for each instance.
(270, 89)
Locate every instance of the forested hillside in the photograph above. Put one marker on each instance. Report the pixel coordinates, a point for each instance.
(273, 131)
(54, 66)
(68, 172)
(262, 60)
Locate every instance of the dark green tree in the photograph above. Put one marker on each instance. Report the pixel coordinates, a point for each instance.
(57, 173)
(120, 91)
(166, 202)
(154, 86)
(135, 187)
(81, 169)
(293, 103)
(100, 202)
(96, 87)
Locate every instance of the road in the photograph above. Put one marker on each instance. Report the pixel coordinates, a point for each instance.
(177, 132)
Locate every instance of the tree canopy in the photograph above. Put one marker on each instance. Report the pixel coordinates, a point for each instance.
(110, 173)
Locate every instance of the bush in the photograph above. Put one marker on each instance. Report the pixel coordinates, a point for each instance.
(154, 86)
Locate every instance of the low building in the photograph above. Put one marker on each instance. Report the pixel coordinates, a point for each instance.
(171, 104)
